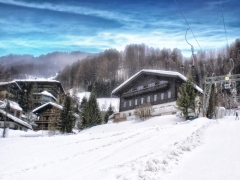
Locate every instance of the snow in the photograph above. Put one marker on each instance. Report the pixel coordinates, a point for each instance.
(16, 119)
(218, 158)
(18, 133)
(171, 73)
(46, 93)
(160, 148)
(13, 105)
(103, 103)
(81, 95)
(53, 104)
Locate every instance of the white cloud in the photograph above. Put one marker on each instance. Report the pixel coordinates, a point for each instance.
(70, 9)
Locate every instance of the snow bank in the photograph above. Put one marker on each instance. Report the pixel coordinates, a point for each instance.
(17, 133)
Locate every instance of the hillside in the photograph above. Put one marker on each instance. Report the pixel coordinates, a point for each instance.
(160, 148)
(110, 68)
(43, 66)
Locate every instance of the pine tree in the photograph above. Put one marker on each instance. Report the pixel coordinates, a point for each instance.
(187, 101)
(94, 111)
(85, 115)
(83, 102)
(213, 100)
(91, 114)
(108, 113)
(67, 118)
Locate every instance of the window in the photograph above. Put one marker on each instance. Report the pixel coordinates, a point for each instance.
(151, 85)
(130, 114)
(139, 87)
(130, 103)
(124, 104)
(124, 115)
(148, 99)
(142, 99)
(18, 114)
(163, 82)
(169, 94)
(136, 101)
(155, 97)
(46, 99)
(162, 96)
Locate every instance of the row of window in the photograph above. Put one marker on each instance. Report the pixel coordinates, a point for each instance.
(155, 96)
(150, 85)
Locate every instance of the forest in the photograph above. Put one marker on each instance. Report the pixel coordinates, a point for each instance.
(106, 70)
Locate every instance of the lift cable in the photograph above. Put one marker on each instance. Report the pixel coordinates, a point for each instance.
(224, 22)
(187, 23)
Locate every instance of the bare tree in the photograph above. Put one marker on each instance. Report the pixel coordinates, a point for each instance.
(143, 111)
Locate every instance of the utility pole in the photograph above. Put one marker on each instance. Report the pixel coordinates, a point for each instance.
(5, 117)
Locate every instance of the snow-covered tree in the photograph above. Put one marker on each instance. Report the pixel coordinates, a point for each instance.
(186, 102)
(213, 101)
(67, 119)
(91, 114)
(108, 113)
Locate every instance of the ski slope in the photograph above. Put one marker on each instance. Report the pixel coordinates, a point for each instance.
(219, 156)
(162, 147)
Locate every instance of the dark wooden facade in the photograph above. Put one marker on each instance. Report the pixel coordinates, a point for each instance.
(148, 87)
(16, 88)
(49, 117)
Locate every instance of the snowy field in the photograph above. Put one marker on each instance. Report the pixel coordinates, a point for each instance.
(161, 148)
(103, 103)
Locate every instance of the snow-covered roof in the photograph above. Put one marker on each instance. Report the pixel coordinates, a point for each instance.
(46, 93)
(160, 72)
(51, 103)
(13, 105)
(30, 80)
(23, 116)
(15, 119)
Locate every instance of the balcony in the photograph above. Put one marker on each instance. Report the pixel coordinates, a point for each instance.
(145, 90)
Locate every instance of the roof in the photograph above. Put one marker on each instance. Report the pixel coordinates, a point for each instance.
(46, 93)
(13, 105)
(158, 72)
(31, 80)
(15, 119)
(46, 104)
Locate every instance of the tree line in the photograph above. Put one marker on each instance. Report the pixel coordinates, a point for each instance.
(108, 69)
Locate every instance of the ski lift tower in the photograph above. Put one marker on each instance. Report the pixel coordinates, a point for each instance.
(227, 80)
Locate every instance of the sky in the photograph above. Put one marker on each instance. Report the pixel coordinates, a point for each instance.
(42, 26)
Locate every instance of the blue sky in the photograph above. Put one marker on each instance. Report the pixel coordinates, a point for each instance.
(42, 26)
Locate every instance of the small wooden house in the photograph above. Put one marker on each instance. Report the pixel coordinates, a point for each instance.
(49, 115)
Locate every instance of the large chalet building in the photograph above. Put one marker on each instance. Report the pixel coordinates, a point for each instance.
(158, 88)
(41, 91)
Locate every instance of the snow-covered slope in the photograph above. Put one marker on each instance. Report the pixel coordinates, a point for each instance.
(161, 148)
